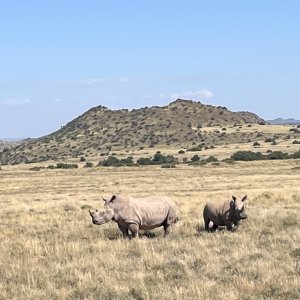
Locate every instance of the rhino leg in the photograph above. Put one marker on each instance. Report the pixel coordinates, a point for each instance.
(167, 228)
(236, 226)
(206, 219)
(134, 230)
(206, 224)
(230, 227)
(214, 227)
(124, 231)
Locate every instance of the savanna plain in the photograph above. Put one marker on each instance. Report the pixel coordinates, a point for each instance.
(50, 249)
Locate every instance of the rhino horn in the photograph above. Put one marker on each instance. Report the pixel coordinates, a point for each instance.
(113, 198)
(245, 198)
(90, 212)
(234, 198)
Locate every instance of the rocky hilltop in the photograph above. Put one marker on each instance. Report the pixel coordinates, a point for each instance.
(101, 130)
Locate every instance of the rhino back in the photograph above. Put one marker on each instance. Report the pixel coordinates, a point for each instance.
(151, 211)
(147, 212)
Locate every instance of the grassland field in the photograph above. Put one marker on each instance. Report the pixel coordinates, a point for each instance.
(50, 249)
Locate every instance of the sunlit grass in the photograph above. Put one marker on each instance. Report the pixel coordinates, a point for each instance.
(50, 250)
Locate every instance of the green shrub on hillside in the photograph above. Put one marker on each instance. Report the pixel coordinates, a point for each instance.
(63, 166)
(246, 156)
(211, 159)
(143, 161)
(197, 148)
(295, 155)
(195, 158)
(158, 159)
(277, 155)
(113, 161)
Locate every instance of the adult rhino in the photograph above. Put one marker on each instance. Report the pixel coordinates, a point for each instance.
(227, 213)
(136, 214)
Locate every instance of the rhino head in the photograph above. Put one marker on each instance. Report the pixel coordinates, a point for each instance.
(102, 216)
(237, 209)
(105, 215)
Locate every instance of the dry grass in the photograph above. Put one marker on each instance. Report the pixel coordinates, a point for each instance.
(50, 250)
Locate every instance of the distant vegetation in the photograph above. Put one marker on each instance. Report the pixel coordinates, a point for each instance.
(169, 161)
(63, 166)
(113, 161)
(158, 159)
(251, 156)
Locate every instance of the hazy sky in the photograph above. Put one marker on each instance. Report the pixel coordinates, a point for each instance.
(60, 58)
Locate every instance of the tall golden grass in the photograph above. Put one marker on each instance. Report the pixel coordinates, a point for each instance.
(50, 250)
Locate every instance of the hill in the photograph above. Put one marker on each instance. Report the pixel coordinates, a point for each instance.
(101, 130)
(5, 144)
(280, 121)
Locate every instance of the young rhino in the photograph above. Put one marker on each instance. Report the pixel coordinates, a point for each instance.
(228, 213)
(137, 213)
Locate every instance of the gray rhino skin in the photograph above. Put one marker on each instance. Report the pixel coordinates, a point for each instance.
(137, 213)
(228, 213)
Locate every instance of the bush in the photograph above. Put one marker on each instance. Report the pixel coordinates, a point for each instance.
(163, 159)
(66, 166)
(296, 155)
(110, 161)
(246, 156)
(295, 130)
(158, 159)
(211, 159)
(34, 168)
(143, 161)
(82, 158)
(127, 161)
(256, 144)
(88, 165)
(269, 140)
(197, 148)
(63, 166)
(113, 161)
(181, 151)
(195, 158)
(296, 142)
(277, 155)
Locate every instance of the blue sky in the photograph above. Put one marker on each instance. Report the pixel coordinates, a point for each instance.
(60, 58)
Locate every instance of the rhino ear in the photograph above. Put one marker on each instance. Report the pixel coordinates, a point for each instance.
(245, 198)
(113, 198)
(234, 198)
